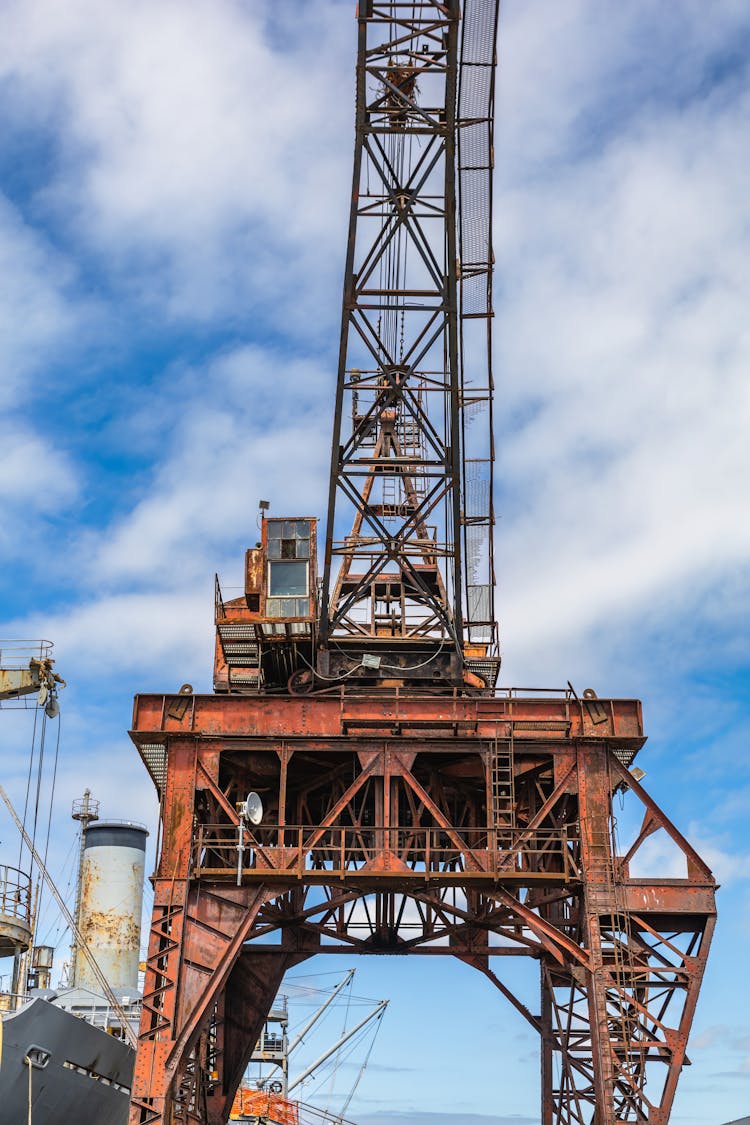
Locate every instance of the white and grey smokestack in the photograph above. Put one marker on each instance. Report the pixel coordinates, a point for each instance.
(114, 860)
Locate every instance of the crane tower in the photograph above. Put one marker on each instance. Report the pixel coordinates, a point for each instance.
(356, 781)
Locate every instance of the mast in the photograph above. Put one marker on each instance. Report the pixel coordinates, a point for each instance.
(407, 595)
(85, 810)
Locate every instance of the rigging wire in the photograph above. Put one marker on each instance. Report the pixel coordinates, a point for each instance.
(40, 767)
(51, 807)
(336, 1059)
(68, 873)
(28, 782)
(322, 1075)
(364, 1065)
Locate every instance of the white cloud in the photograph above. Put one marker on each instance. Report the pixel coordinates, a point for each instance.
(38, 316)
(623, 345)
(159, 635)
(204, 146)
(37, 482)
(34, 474)
(659, 857)
(728, 864)
(571, 76)
(250, 425)
(42, 317)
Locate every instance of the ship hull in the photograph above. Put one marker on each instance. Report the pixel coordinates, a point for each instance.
(82, 1077)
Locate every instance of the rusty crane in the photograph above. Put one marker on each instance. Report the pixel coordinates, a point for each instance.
(400, 802)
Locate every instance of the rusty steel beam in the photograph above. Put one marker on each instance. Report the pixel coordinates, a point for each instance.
(381, 835)
(528, 718)
(395, 479)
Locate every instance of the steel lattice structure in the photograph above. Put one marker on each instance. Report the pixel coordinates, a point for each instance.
(475, 828)
(409, 510)
(410, 808)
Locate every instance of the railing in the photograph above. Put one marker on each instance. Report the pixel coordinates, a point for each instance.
(98, 1013)
(218, 599)
(530, 692)
(18, 654)
(15, 893)
(314, 853)
(223, 597)
(122, 824)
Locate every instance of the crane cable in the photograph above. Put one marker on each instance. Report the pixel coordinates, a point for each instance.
(336, 1058)
(49, 815)
(54, 932)
(39, 775)
(28, 783)
(363, 1067)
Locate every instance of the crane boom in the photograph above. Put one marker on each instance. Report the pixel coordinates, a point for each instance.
(409, 496)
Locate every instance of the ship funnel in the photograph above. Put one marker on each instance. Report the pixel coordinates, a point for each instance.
(110, 902)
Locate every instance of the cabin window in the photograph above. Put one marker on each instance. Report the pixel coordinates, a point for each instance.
(288, 539)
(288, 594)
(288, 543)
(287, 579)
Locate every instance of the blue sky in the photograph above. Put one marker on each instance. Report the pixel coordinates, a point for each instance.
(173, 209)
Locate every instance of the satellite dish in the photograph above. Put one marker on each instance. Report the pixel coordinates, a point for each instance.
(253, 810)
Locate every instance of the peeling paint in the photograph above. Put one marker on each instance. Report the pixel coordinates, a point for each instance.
(111, 894)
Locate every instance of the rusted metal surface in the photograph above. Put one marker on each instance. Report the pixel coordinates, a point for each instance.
(254, 575)
(529, 718)
(265, 1106)
(111, 896)
(394, 581)
(408, 808)
(265, 637)
(386, 831)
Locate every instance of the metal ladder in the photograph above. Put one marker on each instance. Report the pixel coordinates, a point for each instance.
(503, 790)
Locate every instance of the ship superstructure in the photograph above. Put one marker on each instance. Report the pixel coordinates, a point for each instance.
(67, 1048)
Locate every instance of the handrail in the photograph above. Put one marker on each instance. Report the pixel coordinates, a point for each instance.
(15, 893)
(218, 600)
(300, 849)
(16, 654)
